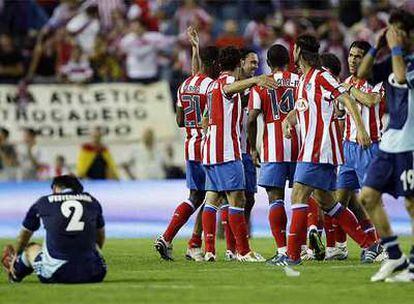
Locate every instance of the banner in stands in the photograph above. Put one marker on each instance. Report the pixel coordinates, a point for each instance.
(68, 113)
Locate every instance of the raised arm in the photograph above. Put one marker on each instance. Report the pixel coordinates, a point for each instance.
(365, 68)
(395, 39)
(195, 50)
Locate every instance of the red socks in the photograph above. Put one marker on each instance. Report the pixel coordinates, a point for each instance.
(209, 228)
(347, 220)
(313, 212)
(297, 231)
(230, 240)
(278, 222)
(329, 232)
(369, 230)
(340, 235)
(238, 225)
(181, 215)
(195, 241)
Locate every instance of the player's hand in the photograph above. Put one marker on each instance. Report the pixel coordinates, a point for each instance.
(395, 37)
(266, 82)
(193, 36)
(363, 138)
(286, 129)
(255, 157)
(380, 40)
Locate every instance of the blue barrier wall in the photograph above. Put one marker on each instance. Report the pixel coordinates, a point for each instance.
(143, 208)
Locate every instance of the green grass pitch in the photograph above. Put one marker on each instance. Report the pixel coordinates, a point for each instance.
(137, 275)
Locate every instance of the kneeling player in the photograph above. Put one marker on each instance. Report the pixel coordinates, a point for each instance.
(74, 231)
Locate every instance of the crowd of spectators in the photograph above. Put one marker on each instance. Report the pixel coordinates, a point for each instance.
(142, 41)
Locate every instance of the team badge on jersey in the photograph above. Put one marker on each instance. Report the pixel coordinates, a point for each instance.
(301, 105)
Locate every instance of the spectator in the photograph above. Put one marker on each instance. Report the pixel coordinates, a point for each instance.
(43, 63)
(85, 27)
(11, 61)
(8, 157)
(142, 9)
(230, 37)
(146, 162)
(64, 44)
(105, 9)
(141, 49)
(256, 30)
(60, 167)
(189, 13)
(30, 156)
(61, 15)
(78, 69)
(95, 160)
(106, 66)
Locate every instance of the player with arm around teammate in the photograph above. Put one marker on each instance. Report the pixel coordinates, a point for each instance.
(222, 155)
(75, 234)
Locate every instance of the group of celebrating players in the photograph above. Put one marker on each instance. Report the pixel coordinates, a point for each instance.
(322, 136)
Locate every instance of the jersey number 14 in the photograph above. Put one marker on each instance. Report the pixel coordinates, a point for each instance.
(285, 104)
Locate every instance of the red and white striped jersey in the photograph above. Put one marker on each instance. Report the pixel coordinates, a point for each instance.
(315, 100)
(222, 142)
(192, 97)
(275, 105)
(371, 116)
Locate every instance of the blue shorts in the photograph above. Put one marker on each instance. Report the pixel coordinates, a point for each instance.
(87, 270)
(225, 177)
(318, 176)
(391, 173)
(275, 175)
(195, 175)
(357, 160)
(249, 173)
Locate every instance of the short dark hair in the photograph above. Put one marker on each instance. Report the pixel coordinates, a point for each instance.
(209, 56)
(331, 62)
(229, 58)
(309, 48)
(361, 44)
(244, 52)
(5, 132)
(404, 17)
(68, 182)
(278, 56)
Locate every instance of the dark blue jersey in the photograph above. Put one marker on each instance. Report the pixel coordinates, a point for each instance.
(71, 221)
(400, 103)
